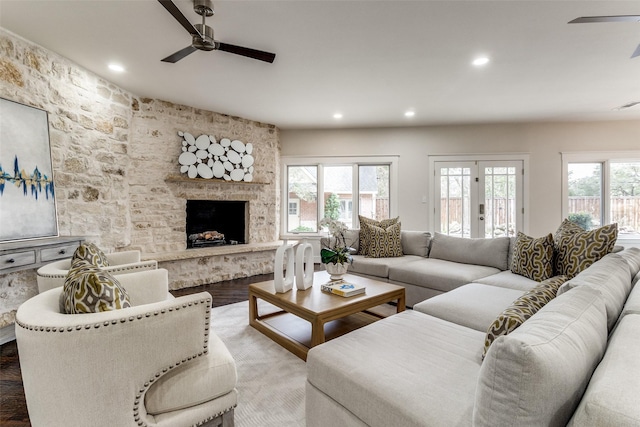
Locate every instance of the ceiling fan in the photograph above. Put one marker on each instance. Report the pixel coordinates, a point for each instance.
(202, 35)
(615, 18)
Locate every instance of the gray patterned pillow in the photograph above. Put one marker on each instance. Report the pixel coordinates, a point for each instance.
(90, 253)
(384, 242)
(88, 289)
(363, 243)
(533, 258)
(578, 251)
(522, 309)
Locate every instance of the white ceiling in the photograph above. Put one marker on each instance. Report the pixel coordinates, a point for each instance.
(370, 60)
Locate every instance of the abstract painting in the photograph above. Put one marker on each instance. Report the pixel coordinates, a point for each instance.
(27, 195)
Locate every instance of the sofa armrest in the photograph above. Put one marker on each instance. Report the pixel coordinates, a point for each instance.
(124, 257)
(116, 354)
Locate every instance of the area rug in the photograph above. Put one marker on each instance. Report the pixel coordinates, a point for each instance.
(270, 379)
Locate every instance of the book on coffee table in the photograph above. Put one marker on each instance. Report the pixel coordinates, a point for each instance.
(343, 288)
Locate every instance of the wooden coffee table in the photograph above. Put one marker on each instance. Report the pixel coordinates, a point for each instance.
(319, 310)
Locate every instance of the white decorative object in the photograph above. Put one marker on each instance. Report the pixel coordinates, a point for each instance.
(304, 266)
(336, 271)
(204, 157)
(283, 281)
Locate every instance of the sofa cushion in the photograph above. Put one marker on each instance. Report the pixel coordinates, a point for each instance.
(90, 253)
(521, 309)
(378, 267)
(612, 278)
(507, 279)
(533, 258)
(433, 383)
(88, 289)
(415, 242)
(384, 242)
(611, 399)
(537, 374)
(632, 255)
(577, 251)
(438, 274)
(194, 382)
(364, 235)
(487, 252)
(474, 305)
(632, 305)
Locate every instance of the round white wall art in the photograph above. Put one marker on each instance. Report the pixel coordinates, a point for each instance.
(205, 157)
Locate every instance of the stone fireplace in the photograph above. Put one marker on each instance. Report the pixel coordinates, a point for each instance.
(216, 223)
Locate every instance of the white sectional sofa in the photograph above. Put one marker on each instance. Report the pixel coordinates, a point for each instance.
(573, 362)
(435, 265)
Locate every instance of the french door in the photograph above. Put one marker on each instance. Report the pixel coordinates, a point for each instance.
(478, 198)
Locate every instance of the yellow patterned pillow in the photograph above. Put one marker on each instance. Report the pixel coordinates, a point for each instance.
(384, 242)
(577, 251)
(567, 227)
(88, 289)
(90, 253)
(533, 258)
(363, 243)
(522, 309)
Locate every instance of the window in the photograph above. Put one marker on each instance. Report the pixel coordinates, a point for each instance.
(603, 188)
(346, 187)
(293, 207)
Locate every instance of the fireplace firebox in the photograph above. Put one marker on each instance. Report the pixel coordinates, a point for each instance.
(216, 223)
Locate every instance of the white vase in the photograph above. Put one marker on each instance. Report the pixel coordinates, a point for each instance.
(283, 281)
(336, 270)
(304, 266)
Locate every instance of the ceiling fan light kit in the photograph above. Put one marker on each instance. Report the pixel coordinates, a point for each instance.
(202, 37)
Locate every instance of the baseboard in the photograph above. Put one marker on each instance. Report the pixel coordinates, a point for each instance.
(7, 334)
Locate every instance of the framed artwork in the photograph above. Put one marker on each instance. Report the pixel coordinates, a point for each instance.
(27, 194)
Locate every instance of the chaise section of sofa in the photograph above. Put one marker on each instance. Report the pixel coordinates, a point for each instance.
(414, 369)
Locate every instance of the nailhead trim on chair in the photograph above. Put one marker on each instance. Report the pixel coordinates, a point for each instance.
(157, 375)
(116, 268)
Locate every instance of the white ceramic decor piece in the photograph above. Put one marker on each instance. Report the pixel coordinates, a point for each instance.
(187, 158)
(283, 281)
(237, 175)
(304, 266)
(225, 142)
(248, 177)
(249, 148)
(238, 146)
(218, 169)
(205, 171)
(234, 157)
(203, 142)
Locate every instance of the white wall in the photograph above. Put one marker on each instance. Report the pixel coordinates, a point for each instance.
(542, 141)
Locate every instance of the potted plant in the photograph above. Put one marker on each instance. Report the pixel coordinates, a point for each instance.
(335, 254)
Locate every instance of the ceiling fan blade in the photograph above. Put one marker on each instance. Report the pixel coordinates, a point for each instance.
(615, 18)
(175, 12)
(180, 54)
(637, 52)
(245, 51)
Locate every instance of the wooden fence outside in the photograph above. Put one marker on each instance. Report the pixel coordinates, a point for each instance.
(624, 210)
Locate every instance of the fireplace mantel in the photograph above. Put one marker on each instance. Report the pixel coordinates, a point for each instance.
(182, 179)
(216, 250)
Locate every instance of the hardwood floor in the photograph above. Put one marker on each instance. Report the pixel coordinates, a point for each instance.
(13, 408)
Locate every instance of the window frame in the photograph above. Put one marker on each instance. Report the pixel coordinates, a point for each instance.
(606, 158)
(320, 162)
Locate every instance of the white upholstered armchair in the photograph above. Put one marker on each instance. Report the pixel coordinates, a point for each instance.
(52, 275)
(153, 364)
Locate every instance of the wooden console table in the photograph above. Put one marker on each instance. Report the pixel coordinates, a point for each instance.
(27, 254)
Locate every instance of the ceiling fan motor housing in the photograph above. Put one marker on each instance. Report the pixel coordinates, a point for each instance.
(203, 7)
(206, 42)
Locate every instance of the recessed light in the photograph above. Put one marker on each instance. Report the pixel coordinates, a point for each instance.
(337, 116)
(480, 61)
(116, 67)
(409, 113)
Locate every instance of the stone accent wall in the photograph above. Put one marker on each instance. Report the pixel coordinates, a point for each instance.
(112, 152)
